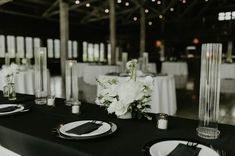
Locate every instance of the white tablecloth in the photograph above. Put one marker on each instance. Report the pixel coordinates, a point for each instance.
(151, 67)
(163, 98)
(92, 72)
(175, 68)
(227, 75)
(227, 71)
(179, 70)
(80, 68)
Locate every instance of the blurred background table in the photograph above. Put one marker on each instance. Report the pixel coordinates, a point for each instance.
(24, 81)
(227, 75)
(179, 70)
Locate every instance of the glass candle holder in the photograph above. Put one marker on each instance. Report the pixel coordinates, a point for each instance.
(162, 121)
(7, 59)
(76, 107)
(145, 62)
(51, 100)
(41, 88)
(71, 82)
(209, 91)
(124, 61)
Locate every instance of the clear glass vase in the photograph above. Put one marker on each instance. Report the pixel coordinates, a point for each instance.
(12, 92)
(7, 59)
(124, 61)
(41, 88)
(71, 82)
(145, 62)
(209, 91)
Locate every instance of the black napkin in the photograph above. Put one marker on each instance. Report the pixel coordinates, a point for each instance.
(85, 128)
(185, 150)
(8, 109)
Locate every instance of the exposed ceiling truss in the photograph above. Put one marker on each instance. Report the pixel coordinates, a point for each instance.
(166, 10)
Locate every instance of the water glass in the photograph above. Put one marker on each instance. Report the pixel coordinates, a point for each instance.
(40, 97)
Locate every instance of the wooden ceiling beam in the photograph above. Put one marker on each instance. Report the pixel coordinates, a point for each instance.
(47, 11)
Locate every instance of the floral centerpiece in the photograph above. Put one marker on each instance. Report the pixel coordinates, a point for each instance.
(126, 99)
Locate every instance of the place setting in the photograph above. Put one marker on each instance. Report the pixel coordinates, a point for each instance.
(11, 109)
(176, 147)
(85, 129)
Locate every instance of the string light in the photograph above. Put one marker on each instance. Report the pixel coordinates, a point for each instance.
(171, 9)
(135, 18)
(77, 2)
(146, 10)
(184, 1)
(159, 2)
(88, 5)
(160, 16)
(150, 22)
(119, 1)
(106, 10)
(127, 4)
(153, 0)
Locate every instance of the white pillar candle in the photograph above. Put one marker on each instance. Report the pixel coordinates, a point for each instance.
(75, 109)
(162, 124)
(50, 101)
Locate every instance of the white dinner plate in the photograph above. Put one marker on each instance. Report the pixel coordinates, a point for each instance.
(163, 148)
(105, 127)
(18, 109)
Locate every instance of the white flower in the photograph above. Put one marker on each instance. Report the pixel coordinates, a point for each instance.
(9, 70)
(131, 63)
(130, 91)
(118, 107)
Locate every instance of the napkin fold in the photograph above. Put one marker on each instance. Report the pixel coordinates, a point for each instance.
(8, 109)
(185, 150)
(85, 128)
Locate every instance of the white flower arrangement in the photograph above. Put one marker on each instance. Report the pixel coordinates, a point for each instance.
(122, 97)
(9, 72)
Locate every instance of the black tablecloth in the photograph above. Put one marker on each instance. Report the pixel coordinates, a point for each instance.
(30, 133)
(20, 98)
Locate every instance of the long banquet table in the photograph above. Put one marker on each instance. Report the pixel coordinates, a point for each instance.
(30, 133)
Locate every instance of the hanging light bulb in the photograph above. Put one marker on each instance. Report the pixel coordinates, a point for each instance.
(77, 2)
(88, 5)
(106, 10)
